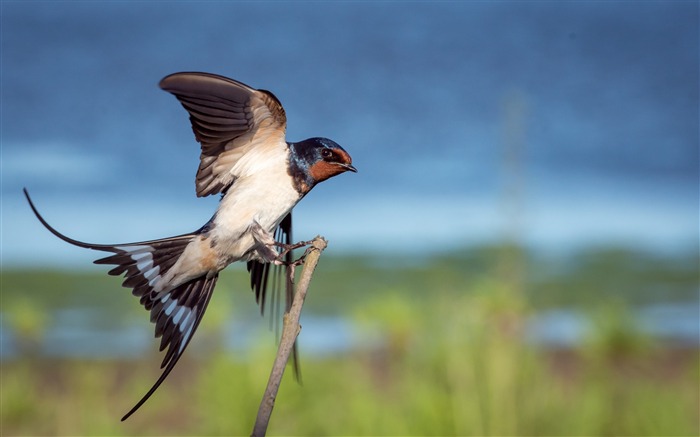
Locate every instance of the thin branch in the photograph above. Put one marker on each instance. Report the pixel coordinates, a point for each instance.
(290, 331)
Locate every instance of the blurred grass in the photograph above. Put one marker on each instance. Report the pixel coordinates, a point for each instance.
(446, 356)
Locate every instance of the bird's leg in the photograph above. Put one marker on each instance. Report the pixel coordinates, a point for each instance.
(265, 247)
(265, 244)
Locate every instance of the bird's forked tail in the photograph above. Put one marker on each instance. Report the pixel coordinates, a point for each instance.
(176, 311)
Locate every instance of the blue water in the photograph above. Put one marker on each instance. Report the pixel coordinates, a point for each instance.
(563, 124)
(82, 333)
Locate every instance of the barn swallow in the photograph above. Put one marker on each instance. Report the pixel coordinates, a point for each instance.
(261, 177)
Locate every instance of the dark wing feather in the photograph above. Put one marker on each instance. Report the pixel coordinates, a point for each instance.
(260, 272)
(262, 286)
(176, 312)
(228, 118)
(177, 315)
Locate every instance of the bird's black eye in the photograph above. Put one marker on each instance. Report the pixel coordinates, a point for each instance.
(326, 153)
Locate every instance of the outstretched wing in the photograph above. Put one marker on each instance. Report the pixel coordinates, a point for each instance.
(177, 315)
(262, 286)
(229, 119)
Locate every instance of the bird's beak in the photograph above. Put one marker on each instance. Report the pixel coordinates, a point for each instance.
(349, 167)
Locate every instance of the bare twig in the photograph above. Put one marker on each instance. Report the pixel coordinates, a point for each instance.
(290, 331)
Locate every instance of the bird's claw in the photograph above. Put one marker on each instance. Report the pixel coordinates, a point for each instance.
(286, 248)
(293, 246)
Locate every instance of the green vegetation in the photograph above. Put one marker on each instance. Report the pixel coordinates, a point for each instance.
(445, 354)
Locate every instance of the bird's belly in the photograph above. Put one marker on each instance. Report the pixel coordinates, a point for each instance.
(262, 202)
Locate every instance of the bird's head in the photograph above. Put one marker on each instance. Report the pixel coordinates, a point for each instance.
(316, 159)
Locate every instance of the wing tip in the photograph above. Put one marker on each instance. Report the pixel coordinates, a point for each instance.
(174, 81)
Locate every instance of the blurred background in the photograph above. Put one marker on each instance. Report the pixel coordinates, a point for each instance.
(518, 254)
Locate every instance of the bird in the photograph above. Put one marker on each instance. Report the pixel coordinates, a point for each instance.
(260, 176)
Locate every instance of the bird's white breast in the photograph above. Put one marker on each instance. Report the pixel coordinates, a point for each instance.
(262, 192)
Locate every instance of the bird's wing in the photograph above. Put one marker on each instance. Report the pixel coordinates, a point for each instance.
(260, 272)
(177, 312)
(177, 315)
(229, 119)
(262, 286)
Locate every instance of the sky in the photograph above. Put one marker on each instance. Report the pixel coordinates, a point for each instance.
(560, 124)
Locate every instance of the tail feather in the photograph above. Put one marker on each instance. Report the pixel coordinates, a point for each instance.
(176, 312)
(141, 263)
(144, 263)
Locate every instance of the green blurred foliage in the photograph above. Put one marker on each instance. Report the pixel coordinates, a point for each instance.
(443, 353)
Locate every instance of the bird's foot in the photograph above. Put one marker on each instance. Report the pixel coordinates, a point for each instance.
(286, 248)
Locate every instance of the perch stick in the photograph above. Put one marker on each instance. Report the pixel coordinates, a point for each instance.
(290, 331)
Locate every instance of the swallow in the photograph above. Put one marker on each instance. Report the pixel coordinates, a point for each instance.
(260, 176)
